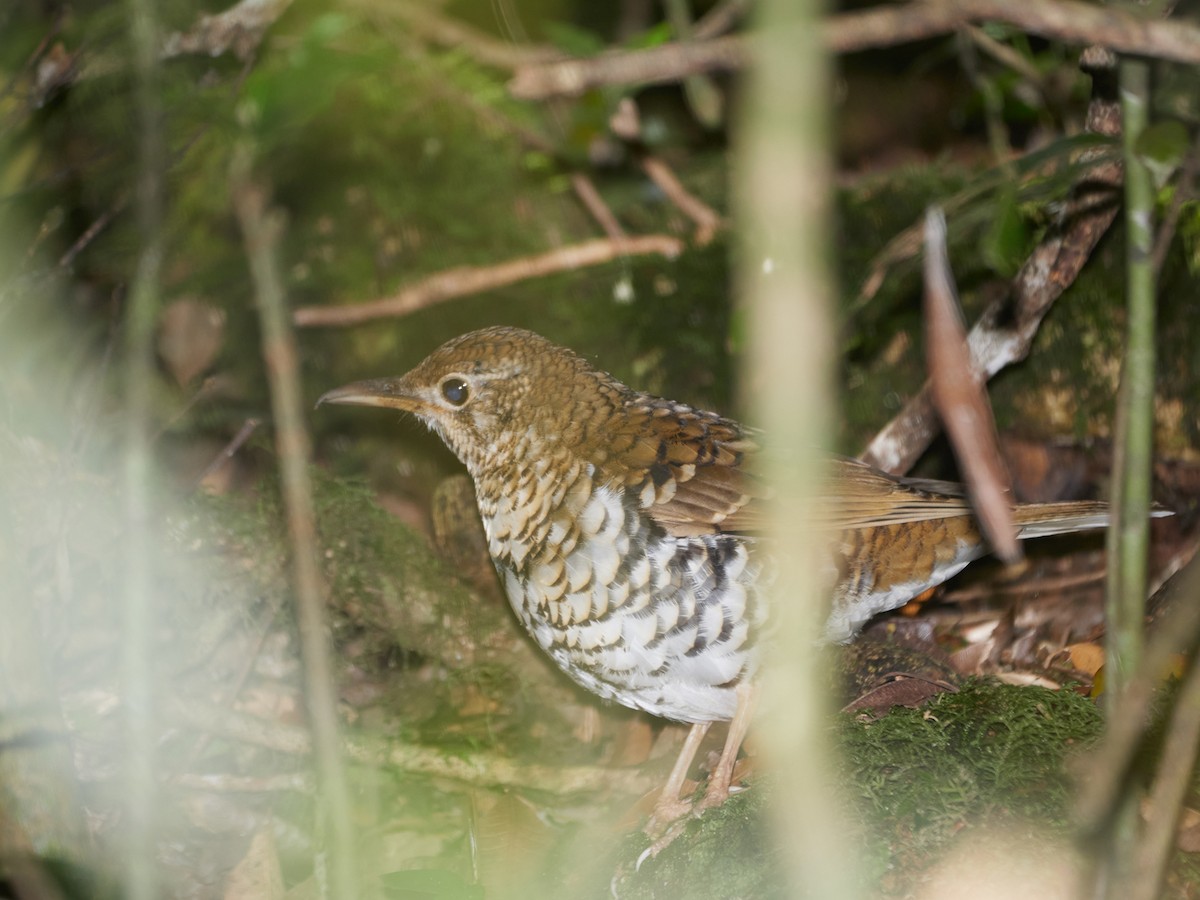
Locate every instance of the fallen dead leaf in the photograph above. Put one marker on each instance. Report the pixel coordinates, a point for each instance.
(1189, 831)
(1086, 657)
(258, 876)
(190, 335)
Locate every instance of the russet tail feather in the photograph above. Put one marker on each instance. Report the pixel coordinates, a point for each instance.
(1044, 519)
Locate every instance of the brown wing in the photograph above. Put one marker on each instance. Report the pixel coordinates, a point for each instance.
(694, 474)
(688, 467)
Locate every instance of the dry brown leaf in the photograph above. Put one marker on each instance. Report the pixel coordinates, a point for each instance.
(1086, 657)
(258, 876)
(512, 842)
(1189, 831)
(959, 396)
(1028, 679)
(900, 690)
(190, 335)
(635, 739)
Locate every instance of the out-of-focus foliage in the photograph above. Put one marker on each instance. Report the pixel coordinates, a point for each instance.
(392, 158)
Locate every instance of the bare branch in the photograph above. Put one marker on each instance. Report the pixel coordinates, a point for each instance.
(424, 20)
(240, 28)
(707, 219)
(466, 280)
(589, 196)
(1069, 21)
(1006, 330)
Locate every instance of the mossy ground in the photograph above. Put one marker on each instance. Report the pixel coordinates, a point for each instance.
(989, 756)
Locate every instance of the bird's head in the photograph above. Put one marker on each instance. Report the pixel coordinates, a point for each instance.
(494, 393)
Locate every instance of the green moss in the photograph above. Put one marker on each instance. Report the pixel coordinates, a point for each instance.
(989, 755)
(987, 752)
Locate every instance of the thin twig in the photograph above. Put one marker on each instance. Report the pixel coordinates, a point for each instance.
(1069, 21)
(626, 123)
(90, 233)
(228, 451)
(201, 393)
(992, 101)
(704, 97)
(262, 229)
(1005, 55)
(424, 20)
(1050, 584)
(1177, 632)
(720, 19)
(240, 28)
(658, 65)
(1171, 782)
(466, 280)
(53, 32)
(707, 219)
(586, 191)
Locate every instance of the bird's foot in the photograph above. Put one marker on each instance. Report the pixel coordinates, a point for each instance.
(667, 811)
(718, 792)
(664, 840)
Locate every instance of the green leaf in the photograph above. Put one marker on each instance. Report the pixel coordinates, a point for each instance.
(1003, 244)
(573, 40)
(705, 100)
(1161, 148)
(655, 36)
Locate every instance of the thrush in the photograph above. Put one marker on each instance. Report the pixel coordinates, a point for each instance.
(623, 528)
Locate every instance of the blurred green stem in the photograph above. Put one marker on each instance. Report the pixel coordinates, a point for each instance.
(1128, 538)
(141, 313)
(1170, 787)
(262, 228)
(782, 188)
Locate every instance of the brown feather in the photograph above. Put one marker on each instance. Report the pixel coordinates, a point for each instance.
(710, 461)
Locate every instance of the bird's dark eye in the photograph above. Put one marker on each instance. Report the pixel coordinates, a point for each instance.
(455, 390)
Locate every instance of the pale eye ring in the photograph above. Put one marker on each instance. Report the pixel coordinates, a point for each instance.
(455, 390)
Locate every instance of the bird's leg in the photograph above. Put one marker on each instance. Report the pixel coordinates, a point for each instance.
(670, 806)
(721, 777)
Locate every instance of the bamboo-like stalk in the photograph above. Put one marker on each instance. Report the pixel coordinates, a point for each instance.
(1128, 539)
(141, 313)
(1153, 855)
(782, 179)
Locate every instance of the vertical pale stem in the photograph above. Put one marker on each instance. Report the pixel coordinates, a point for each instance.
(1128, 539)
(262, 229)
(783, 179)
(141, 882)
